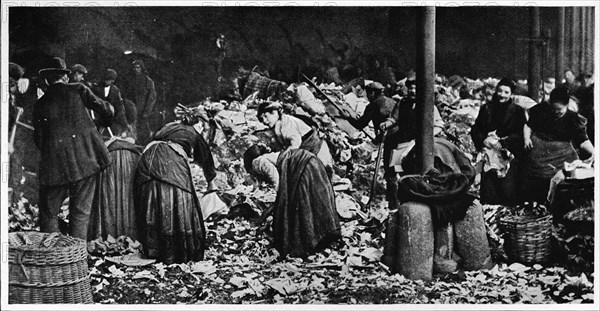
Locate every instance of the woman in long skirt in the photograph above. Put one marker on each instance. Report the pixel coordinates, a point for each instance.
(506, 119)
(170, 223)
(113, 212)
(305, 218)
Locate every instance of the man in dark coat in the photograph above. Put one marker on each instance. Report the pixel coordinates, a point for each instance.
(78, 73)
(73, 152)
(140, 90)
(378, 111)
(107, 91)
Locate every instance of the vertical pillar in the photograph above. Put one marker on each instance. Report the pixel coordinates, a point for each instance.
(425, 87)
(534, 55)
(559, 67)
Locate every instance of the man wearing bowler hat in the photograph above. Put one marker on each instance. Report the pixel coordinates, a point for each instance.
(72, 150)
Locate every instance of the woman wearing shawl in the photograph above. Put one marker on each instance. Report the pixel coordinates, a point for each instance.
(305, 218)
(171, 226)
(293, 133)
(550, 136)
(499, 126)
(113, 212)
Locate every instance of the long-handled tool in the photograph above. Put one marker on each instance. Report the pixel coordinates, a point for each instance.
(375, 173)
(344, 112)
(14, 128)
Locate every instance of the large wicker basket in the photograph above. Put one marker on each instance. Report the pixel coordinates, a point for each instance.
(527, 239)
(47, 268)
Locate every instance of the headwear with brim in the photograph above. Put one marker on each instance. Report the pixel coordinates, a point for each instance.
(110, 74)
(79, 68)
(375, 86)
(507, 82)
(15, 71)
(560, 94)
(55, 65)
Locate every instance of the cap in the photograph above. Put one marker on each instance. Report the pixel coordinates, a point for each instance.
(79, 68)
(110, 74)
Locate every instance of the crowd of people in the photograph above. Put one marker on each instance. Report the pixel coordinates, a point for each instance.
(96, 148)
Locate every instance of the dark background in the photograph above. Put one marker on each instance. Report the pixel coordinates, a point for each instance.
(178, 43)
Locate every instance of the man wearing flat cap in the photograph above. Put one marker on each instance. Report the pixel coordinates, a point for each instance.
(379, 110)
(109, 92)
(78, 73)
(73, 152)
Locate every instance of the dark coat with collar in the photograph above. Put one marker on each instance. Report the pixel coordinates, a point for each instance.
(379, 110)
(71, 147)
(140, 89)
(119, 122)
(508, 124)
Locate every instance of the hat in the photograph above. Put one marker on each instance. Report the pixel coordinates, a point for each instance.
(15, 71)
(375, 86)
(55, 65)
(79, 68)
(110, 74)
(507, 82)
(560, 94)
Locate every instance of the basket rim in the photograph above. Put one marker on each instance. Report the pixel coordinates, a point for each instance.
(75, 243)
(523, 219)
(53, 249)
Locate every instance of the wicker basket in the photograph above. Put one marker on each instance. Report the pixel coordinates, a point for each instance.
(47, 268)
(527, 239)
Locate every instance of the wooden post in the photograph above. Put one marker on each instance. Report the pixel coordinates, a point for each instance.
(559, 67)
(425, 87)
(534, 55)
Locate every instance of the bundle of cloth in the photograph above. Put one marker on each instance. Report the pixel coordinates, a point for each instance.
(445, 188)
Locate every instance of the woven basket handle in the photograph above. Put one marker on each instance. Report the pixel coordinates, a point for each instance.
(19, 259)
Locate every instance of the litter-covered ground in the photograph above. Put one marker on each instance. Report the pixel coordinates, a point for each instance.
(240, 266)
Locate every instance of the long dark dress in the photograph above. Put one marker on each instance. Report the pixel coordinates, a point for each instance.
(170, 223)
(507, 120)
(553, 139)
(305, 217)
(113, 211)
